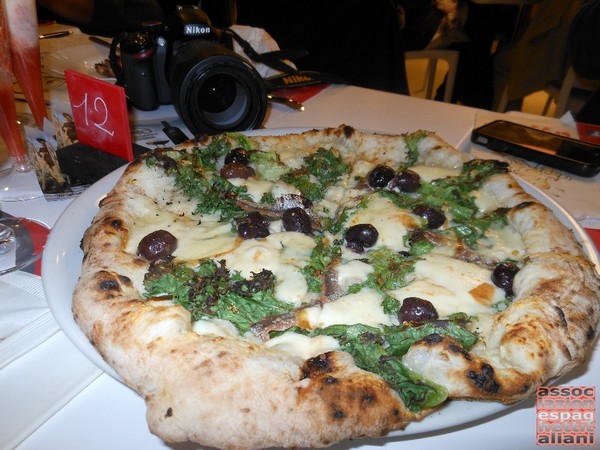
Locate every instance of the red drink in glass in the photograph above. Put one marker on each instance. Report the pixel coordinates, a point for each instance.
(21, 21)
(9, 128)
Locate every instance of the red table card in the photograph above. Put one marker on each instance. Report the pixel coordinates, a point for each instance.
(100, 113)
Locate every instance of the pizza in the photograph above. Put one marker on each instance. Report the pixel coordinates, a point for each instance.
(302, 289)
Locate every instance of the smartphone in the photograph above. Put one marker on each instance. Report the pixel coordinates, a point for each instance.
(571, 155)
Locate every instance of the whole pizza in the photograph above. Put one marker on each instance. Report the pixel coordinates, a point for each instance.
(302, 289)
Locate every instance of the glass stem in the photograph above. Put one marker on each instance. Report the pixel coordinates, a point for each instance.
(6, 239)
(22, 164)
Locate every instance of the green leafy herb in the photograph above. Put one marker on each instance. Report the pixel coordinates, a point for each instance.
(401, 338)
(320, 170)
(216, 149)
(371, 351)
(242, 140)
(268, 165)
(321, 257)
(335, 225)
(473, 230)
(392, 270)
(212, 290)
(412, 141)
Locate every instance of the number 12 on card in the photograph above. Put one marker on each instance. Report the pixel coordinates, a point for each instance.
(100, 113)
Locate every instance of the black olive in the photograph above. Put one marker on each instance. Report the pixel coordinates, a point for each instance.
(252, 230)
(237, 155)
(156, 245)
(253, 226)
(435, 218)
(415, 309)
(380, 176)
(504, 275)
(237, 170)
(408, 181)
(297, 219)
(355, 247)
(363, 233)
(258, 218)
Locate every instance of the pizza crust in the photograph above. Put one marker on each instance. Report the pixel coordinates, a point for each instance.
(547, 329)
(226, 392)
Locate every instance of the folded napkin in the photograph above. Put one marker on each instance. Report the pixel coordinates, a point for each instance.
(40, 369)
(22, 302)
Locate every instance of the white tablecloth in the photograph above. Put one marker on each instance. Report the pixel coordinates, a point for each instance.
(52, 397)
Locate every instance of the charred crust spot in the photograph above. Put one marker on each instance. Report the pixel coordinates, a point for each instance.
(331, 380)
(433, 338)
(319, 365)
(523, 205)
(456, 348)
(561, 315)
(338, 414)
(109, 285)
(591, 333)
(484, 380)
(369, 398)
(348, 131)
(169, 412)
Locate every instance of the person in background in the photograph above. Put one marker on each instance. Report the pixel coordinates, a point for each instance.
(539, 57)
(583, 48)
(102, 17)
(357, 40)
(461, 25)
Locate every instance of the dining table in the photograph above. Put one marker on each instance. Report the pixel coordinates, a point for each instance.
(54, 396)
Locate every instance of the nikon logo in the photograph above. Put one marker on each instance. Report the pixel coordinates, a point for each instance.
(294, 79)
(196, 29)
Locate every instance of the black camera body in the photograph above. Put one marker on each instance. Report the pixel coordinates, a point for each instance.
(189, 64)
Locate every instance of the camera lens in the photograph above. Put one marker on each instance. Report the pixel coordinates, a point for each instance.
(215, 90)
(222, 100)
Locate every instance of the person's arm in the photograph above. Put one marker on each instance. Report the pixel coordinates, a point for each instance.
(78, 11)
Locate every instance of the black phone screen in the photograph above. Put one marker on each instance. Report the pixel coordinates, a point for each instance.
(547, 148)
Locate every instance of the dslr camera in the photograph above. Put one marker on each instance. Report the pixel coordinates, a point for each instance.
(190, 64)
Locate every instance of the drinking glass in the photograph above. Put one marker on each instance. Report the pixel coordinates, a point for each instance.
(23, 36)
(21, 240)
(18, 182)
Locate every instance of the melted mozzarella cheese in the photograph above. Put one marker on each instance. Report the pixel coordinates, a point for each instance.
(256, 188)
(284, 254)
(361, 169)
(485, 201)
(428, 173)
(281, 188)
(352, 272)
(215, 327)
(362, 307)
(391, 222)
(452, 286)
(501, 244)
(195, 240)
(300, 346)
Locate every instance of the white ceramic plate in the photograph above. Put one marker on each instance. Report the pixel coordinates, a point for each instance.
(61, 266)
(81, 58)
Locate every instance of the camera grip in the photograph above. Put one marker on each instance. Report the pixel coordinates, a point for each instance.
(135, 72)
